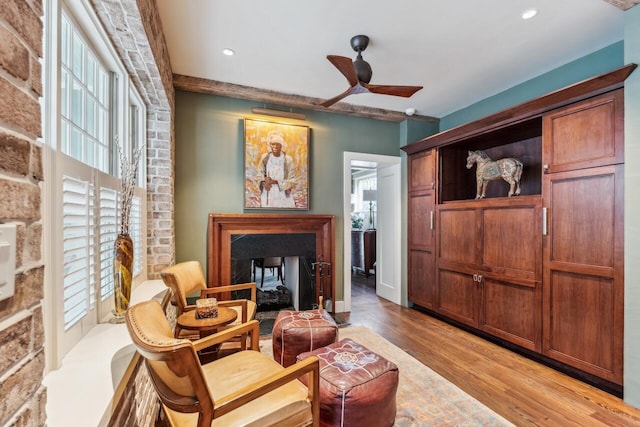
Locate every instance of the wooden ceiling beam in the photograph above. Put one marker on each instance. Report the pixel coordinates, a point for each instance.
(213, 87)
(623, 4)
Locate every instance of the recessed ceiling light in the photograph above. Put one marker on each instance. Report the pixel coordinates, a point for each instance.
(529, 13)
(228, 52)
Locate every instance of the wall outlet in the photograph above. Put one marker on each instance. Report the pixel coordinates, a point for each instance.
(7, 260)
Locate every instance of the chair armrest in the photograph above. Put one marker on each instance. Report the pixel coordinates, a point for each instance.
(228, 334)
(252, 391)
(228, 288)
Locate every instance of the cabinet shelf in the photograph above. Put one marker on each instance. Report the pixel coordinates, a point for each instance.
(522, 141)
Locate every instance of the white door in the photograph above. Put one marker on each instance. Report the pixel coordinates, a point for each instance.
(388, 230)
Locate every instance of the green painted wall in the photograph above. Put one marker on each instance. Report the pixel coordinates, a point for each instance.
(632, 210)
(209, 163)
(599, 62)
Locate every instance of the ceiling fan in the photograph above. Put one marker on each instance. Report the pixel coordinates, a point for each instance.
(358, 74)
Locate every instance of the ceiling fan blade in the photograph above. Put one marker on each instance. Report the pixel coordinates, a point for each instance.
(345, 66)
(330, 102)
(404, 91)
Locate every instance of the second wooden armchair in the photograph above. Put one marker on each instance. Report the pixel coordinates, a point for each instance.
(187, 278)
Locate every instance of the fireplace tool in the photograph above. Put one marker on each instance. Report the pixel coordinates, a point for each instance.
(322, 272)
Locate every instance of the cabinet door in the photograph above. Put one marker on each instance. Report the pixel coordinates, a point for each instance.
(458, 296)
(512, 271)
(458, 244)
(422, 280)
(421, 265)
(421, 233)
(586, 134)
(421, 171)
(583, 270)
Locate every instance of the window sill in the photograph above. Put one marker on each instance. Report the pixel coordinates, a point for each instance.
(79, 393)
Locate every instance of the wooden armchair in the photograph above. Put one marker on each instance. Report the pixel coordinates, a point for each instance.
(246, 388)
(187, 278)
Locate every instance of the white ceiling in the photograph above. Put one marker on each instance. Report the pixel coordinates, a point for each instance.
(460, 51)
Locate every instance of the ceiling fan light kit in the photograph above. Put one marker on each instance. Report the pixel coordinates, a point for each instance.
(358, 73)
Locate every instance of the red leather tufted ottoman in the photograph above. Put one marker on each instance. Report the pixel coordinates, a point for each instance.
(357, 386)
(295, 332)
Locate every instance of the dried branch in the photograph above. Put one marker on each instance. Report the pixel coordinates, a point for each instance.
(129, 172)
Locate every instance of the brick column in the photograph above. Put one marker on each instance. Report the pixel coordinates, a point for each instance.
(128, 22)
(22, 395)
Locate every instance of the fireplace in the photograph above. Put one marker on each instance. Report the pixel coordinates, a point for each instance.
(229, 235)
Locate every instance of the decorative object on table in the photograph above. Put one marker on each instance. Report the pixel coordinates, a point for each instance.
(370, 196)
(123, 245)
(206, 308)
(276, 165)
(509, 169)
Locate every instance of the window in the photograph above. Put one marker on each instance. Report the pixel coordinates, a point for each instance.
(89, 103)
(363, 207)
(84, 95)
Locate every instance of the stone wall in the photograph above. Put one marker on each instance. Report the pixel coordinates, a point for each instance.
(22, 395)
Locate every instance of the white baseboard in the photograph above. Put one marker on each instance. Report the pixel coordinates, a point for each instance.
(339, 307)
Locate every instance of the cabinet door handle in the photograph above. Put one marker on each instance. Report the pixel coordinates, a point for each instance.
(479, 278)
(544, 221)
(431, 220)
(475, 277)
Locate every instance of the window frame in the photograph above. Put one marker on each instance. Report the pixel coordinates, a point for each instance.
(57, 164)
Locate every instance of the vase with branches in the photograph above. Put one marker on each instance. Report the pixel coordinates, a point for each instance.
(123, 245)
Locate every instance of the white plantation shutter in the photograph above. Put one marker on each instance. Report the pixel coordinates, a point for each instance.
(135, 231)
(108, 233)
(78, 249)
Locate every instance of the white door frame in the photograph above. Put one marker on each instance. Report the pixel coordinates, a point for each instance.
(381, 160)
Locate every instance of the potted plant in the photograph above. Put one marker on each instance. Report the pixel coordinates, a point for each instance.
(356, 221)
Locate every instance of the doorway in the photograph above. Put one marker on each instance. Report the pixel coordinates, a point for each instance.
(387, 223)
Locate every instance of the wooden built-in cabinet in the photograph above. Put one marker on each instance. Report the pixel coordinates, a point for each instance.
(543, 270)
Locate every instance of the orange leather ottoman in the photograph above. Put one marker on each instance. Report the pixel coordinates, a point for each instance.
(357, 386)
(295, 332)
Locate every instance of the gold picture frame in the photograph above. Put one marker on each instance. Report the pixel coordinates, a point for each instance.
(276, 165)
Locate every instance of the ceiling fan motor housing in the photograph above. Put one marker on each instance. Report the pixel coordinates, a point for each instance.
(363, 69)
(359, 43)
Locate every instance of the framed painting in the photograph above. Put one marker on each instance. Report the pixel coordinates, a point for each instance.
(276, 165)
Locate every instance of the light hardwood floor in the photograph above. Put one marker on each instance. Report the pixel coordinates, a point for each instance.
(523, 391)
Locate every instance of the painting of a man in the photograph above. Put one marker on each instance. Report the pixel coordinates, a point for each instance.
(278, 171)
(276, 159)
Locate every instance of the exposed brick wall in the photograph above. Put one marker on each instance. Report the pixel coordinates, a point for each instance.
(22, 395)
(139, 405)
(147, 60)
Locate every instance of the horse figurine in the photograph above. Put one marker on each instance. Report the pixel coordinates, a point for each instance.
(509, 169)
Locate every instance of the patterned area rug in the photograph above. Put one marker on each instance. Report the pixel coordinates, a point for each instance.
(424, 398)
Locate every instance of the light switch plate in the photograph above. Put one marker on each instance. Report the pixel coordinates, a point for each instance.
(7, 260)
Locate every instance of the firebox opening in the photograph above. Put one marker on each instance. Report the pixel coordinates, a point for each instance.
(296, 285)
